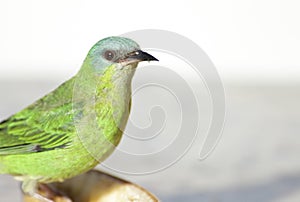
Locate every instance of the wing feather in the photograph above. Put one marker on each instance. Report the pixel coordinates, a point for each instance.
(45, 125)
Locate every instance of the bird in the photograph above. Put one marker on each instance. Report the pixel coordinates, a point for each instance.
(76, 126)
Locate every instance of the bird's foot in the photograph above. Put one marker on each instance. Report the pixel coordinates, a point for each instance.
(43, 193)
(41, 198)
(52, 194)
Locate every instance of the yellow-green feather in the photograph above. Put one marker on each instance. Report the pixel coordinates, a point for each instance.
(70, 130)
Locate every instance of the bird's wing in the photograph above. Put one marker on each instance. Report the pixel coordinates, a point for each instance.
(44, 125)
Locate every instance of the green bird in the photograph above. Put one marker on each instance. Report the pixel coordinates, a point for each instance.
(76, 126)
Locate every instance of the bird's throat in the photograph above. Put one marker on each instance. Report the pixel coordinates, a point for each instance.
(114, 95)
(104, 104)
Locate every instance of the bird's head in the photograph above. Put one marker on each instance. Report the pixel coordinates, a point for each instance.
(122, 53)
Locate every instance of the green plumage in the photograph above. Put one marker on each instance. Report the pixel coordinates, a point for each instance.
(73, 128)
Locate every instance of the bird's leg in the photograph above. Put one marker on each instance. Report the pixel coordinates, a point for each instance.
(30, 187)
(43, 192)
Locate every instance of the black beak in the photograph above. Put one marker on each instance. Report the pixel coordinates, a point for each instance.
(140, 56)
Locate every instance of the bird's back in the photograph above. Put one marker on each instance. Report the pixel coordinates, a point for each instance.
(67, 132)
(43, 128)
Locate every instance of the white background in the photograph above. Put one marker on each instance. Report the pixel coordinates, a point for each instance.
(245, 39)
(255, 46)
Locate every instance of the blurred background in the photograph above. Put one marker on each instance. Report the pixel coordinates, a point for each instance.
(254, 45)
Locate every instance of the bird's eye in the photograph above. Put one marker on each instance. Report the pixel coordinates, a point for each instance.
(109, 55)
